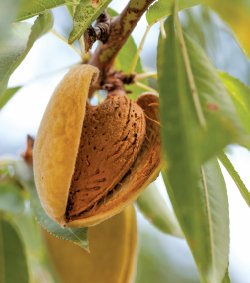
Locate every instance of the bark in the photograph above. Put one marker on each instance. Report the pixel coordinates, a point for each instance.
(120, 28)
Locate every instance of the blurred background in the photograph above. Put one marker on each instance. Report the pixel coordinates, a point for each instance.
(162, 258)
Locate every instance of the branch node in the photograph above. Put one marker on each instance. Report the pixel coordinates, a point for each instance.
(114, 82)
(100, 31)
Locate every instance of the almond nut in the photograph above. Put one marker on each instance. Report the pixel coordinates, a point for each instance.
(91, 162)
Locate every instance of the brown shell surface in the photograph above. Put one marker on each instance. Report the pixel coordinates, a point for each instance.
(143, 171)
(112, 257)
(112, 136)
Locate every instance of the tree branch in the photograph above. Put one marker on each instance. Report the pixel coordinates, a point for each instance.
(119, 31)
(100, 31)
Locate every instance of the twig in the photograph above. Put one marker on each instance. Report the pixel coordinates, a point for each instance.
(133, 65)
(66, 41)
(51, 73)
(100, 31)
(147, 88)
(145, 75)
(163, 32)
(120, 28)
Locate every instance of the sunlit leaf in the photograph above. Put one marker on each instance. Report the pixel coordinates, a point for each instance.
(163, 8)
(84, 16)
(78, 236)
(202, 211)
(17, 45)
(33, 8)
(237, 15)
(11, 199)
(13, 262)
(240, 95)
(155, 209)
(124, 59)
(7, 95)
(235, 176)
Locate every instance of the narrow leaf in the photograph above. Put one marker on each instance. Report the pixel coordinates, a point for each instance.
(155, 209)
(163, 8)
(235, 176)
(13, 262)
(184, 138)
(33, 8)
(202, 211)
(229, 11)
(11, 199)
(240, 95)
(7, 95)
(78, 236)
(70, 10)
(226, 278)
(85, 15)
(17, 45)
(187, 145)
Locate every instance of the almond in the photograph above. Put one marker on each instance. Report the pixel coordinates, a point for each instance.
(91, 162)
(112, 257)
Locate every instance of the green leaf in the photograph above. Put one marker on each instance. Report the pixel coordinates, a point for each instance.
(124, 59)
(85, 15)
(186, 142)
(8, 13)
(226, 278)
(37, 255)
(19, 42)
(163, 8)
(235, 176)
(11, 199)
(240, 95)
(202, 211)
(30, 230)
(12, 49)
(33, 8)
(155, 209)
(7, 95)
(78, 236)
(70, 10)
(13, 262)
